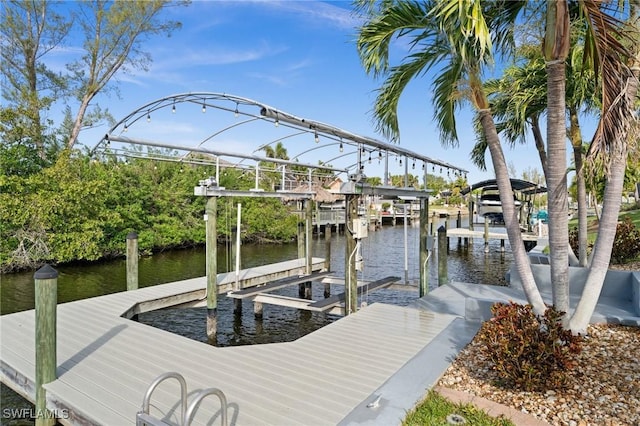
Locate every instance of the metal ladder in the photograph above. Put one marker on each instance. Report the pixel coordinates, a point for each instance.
(187, 412)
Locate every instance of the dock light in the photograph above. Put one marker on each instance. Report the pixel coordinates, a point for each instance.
(126, 127)
(148, 117)
(173, 108)
(401, 161)
(413, 166)
(235, 113)
(369, 158)
(204, 108)
(341, 147)
(316, 137)
(379, 154)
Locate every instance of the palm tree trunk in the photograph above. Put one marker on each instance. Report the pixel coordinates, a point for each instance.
(520, 258)
(557, 186)
(601, 255)
(537, 137)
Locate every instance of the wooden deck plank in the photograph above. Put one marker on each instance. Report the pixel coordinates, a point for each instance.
(106, 362)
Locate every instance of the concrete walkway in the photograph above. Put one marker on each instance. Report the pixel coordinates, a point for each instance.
(471, 303)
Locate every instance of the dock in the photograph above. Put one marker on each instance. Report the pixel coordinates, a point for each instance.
(467, 233)
(106, 361)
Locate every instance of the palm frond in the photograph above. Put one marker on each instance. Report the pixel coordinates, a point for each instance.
(607, 37)
(376, 35)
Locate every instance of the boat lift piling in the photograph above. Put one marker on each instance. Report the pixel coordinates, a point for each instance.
(132, 261)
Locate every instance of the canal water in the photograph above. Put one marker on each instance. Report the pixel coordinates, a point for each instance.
(383, 253)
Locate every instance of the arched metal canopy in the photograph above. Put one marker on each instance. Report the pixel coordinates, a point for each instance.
(245, 112)
(523, 186)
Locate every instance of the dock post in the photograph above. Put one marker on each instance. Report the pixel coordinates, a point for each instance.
(212, 268)
(132, 261)
(327, 257)
(446, 227)
(257, 310)
(235, 260)
(459, 224)
(301, 244)
(351, 275)
(443, 242)
(486, 235)
(307, 245)
(424, 248)
(433, 220)
(502, 245)
(471, 207)
(46, 300)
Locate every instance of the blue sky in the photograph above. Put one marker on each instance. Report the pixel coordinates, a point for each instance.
(297, 56)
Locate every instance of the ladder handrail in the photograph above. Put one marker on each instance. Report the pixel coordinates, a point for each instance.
(193, 406)
(183, 393)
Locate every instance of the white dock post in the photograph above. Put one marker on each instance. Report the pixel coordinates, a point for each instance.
(301, 243)
(132, 261)
(351, 275)
(327, 256)
(237, 303)
(486, 235)
(46, 300)
(212, 268)
(307, 245)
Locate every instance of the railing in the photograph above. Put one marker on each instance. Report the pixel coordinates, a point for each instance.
(187, 413)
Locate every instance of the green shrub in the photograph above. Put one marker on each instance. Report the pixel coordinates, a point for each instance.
(626, 246)
(526, 351)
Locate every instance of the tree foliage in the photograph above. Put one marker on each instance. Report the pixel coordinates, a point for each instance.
(83, 209)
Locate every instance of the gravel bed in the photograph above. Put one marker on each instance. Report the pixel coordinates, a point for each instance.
(604, 389)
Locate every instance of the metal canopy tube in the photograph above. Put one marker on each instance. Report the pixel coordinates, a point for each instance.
(339, 133)
(219, 153)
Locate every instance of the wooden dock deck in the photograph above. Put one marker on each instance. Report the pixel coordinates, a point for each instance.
(105, 362)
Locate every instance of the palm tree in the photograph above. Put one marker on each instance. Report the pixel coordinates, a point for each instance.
(456, 38)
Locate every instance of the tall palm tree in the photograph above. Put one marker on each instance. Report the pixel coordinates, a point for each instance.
(610, 144)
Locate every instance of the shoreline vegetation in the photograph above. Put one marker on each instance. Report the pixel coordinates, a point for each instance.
(81, 210)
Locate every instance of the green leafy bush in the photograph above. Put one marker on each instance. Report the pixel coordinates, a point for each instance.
(526, 351)
(626, 246)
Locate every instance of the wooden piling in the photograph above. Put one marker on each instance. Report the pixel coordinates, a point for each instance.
(257, 310)
(132, 261)
(443, 242)
(46, 300)
(459, 225)
(212, 267)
